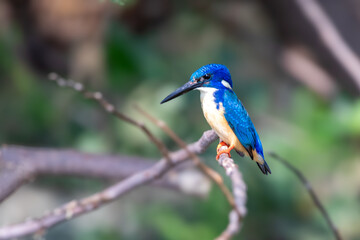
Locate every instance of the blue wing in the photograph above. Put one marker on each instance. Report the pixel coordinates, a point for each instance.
(240, 122)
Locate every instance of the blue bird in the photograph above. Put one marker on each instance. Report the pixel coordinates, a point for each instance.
(225, 113)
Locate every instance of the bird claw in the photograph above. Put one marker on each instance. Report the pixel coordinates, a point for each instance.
(221, 144)
(227, 150)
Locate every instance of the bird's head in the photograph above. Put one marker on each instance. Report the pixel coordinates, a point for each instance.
(208, 76)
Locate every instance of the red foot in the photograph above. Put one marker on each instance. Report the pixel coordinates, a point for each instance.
(227, 151)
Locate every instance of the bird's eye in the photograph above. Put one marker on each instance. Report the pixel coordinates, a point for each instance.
(207, 76)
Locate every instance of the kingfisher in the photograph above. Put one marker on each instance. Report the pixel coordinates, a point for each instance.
(225, 113)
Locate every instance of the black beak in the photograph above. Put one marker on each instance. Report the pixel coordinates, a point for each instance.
(181, 90)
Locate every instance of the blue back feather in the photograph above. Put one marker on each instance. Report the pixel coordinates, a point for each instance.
(239, 120)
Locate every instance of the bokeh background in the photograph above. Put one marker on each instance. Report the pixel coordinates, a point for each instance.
(303, 100)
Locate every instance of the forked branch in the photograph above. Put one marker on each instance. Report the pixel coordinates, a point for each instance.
(214, 176)
(79, 207)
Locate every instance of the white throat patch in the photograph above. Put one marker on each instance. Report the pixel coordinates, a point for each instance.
(206, 92)
(226, 84)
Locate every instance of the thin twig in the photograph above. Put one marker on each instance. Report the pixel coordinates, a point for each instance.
(311, 192)
(110, 108)
(214, 176)
(79, 207)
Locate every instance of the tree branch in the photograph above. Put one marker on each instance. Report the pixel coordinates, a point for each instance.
(239, 191)
(80, 207)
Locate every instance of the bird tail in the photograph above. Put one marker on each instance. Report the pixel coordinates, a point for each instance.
(260, 161)
(264, 167)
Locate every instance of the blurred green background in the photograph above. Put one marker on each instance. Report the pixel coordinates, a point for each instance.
(138, 52)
